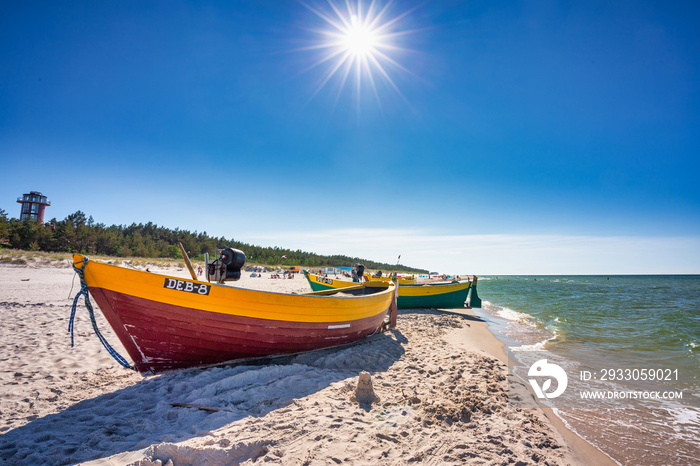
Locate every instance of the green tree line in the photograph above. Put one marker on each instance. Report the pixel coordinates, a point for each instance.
(79, 233)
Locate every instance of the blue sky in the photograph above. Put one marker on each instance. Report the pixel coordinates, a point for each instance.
(509, 137)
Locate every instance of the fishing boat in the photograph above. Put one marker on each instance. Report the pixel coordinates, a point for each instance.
(451, 295)
(403, 280)
(167, 322)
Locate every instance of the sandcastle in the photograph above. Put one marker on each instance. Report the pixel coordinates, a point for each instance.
(364, 393)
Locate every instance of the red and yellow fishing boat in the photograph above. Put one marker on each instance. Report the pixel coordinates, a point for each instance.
(167, 322)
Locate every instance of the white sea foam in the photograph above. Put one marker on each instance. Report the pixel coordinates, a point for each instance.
(685, 423)
(514, 316)
(685, 416)
(539, 346)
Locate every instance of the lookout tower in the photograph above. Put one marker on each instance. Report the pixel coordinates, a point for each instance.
(33, 205)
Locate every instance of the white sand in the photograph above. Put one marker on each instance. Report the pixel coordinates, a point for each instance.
(442, 395)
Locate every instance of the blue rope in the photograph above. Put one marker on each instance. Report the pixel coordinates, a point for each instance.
(84, 291)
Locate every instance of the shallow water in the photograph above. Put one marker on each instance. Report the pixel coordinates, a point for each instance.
(622, 331)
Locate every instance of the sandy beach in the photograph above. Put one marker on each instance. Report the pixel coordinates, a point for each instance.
(440, 379)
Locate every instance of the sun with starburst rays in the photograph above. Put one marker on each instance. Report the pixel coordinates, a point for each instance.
(358, 44)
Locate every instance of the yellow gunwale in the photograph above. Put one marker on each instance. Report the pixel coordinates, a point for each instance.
(387, 278)
(224, 299)
(336, 284)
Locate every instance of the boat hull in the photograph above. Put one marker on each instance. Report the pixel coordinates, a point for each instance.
(226, 324)
(439, 296)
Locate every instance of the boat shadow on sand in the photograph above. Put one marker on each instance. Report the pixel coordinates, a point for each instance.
(142, 414)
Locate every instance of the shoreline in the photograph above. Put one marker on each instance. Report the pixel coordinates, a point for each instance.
(478, 337)
(582, 324)
(440, 378)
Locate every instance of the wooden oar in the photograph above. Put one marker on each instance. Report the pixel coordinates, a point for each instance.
(187, 261)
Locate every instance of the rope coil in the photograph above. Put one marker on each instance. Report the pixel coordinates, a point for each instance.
(84, 291)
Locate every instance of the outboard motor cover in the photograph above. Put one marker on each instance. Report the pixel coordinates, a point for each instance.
(358, 272)
(234, 259)
(227, 266)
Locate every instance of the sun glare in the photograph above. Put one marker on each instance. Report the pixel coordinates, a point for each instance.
(359, 39)
(358, 44)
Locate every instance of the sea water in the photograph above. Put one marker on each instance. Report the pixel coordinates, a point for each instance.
(630, 336)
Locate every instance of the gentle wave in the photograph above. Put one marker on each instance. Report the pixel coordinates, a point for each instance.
(539, 346)
(515, 316)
